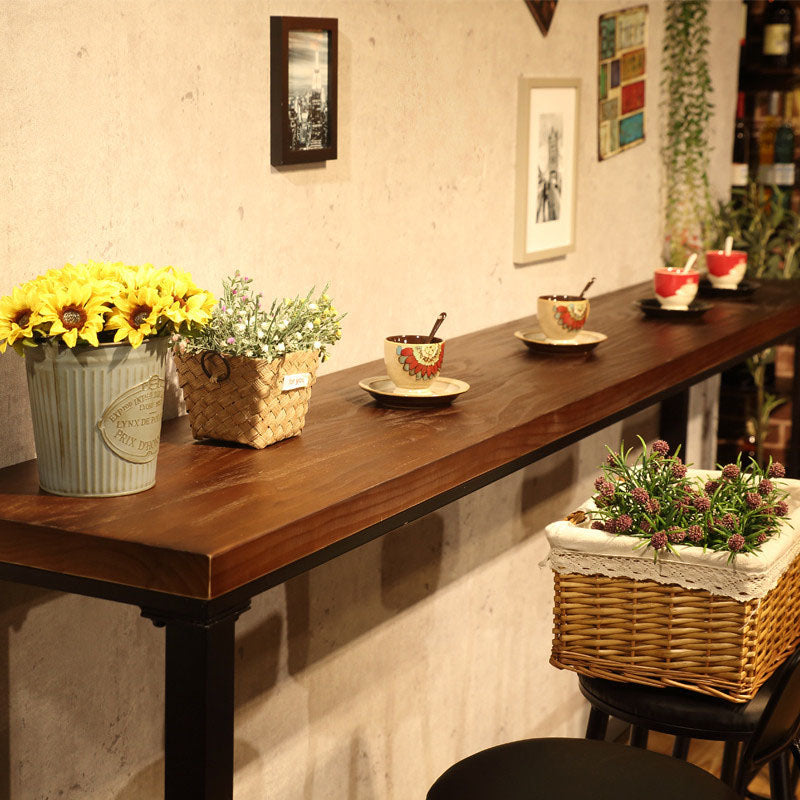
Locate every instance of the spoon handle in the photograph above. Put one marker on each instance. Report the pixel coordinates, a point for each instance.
(586, 289)
(439, 321)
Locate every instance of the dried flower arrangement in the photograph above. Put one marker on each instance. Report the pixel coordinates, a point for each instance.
(239, 326)
(656, 500)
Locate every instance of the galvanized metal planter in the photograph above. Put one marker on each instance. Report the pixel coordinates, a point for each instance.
(96, 416)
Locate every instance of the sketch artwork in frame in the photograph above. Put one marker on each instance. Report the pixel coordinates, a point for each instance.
(547, 148)
(303, 107)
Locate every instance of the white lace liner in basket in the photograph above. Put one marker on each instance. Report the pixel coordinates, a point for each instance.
(577, 549)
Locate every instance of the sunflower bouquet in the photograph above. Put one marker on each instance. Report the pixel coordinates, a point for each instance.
(96, 303)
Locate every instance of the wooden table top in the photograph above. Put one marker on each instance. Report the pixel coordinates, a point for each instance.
(221, 515)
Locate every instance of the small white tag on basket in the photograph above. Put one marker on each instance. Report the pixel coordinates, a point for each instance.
(297, 381)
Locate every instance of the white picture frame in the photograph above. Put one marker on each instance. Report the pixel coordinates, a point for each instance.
(546, 169)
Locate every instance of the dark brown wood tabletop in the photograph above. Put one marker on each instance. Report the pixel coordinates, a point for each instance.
(223, 515)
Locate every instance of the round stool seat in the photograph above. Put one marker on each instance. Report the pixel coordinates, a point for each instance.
(575, 769)
(677, 711)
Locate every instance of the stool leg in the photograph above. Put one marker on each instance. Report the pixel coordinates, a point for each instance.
(730, 756)
(795, 748)
(779, 778)
(639, 736)
(681, 747)
(597, 725)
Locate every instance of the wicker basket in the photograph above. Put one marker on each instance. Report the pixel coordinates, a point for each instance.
(247, 400)
(662, 633)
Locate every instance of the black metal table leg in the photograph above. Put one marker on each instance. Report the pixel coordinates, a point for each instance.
(198, 714)
(673, 420)
(793, 459)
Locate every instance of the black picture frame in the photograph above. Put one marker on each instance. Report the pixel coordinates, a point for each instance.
(303, 89)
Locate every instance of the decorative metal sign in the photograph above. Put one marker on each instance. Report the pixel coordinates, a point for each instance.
(621, 80)
(131, 424)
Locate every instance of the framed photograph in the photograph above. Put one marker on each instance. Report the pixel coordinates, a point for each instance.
(547, 155)
(303, 66)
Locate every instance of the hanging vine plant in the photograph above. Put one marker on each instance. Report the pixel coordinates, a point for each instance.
(686, 88)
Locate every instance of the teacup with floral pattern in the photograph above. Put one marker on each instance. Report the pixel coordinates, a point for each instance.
(413, 362)
(562, 316)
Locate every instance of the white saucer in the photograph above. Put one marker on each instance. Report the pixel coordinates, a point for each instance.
(582, 342)
(440, 392)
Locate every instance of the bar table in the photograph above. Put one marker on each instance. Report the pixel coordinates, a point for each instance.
(225, 523)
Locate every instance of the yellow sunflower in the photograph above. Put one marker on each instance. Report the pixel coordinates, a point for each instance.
(136, 314)
(74, 310)
(19, 315)
(189, 304)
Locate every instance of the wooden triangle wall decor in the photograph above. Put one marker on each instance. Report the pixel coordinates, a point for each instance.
(542, 11)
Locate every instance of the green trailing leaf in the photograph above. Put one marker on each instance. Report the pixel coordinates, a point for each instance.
(686, 90)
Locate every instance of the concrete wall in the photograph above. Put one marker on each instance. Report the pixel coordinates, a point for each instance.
(138, 131)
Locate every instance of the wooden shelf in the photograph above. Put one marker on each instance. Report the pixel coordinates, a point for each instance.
(222, 516)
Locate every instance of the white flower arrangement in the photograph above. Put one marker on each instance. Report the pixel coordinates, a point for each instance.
(239, 326)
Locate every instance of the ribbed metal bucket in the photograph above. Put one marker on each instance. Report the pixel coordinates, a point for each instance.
(96, 416)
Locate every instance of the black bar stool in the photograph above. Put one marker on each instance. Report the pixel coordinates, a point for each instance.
(575, 769)
(768, 725)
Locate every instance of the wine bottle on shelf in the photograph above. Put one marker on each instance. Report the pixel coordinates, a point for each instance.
(778, 29)
(741, 148)
(784, 172)
(766, 140)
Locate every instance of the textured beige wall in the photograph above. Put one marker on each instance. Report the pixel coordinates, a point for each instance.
(138, 131)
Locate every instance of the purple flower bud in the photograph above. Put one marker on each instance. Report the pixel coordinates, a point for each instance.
(652, 506)
(776, 470)
(640, 495)
(702, 502)
(658, 540)
(765, 487)
(736, 542)
(678, 471)
(661, 447)
(231, 340)
(597, 525)
(730, 472)
(694, 533)
(729, 521)
(676, 535)
(781, 509)
(752, 500)
(624, 522)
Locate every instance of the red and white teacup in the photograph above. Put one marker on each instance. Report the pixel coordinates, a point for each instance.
(726, 271)
(675, 288)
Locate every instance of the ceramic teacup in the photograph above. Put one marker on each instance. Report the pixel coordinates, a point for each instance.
(561, 316)
(726, 271)
(675, 289)
(412, 362)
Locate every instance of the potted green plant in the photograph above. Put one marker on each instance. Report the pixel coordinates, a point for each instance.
(675, 577)
(247, 375)
(759, 223)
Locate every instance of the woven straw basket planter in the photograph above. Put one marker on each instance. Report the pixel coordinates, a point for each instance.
(248, 400)
(692, 620)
